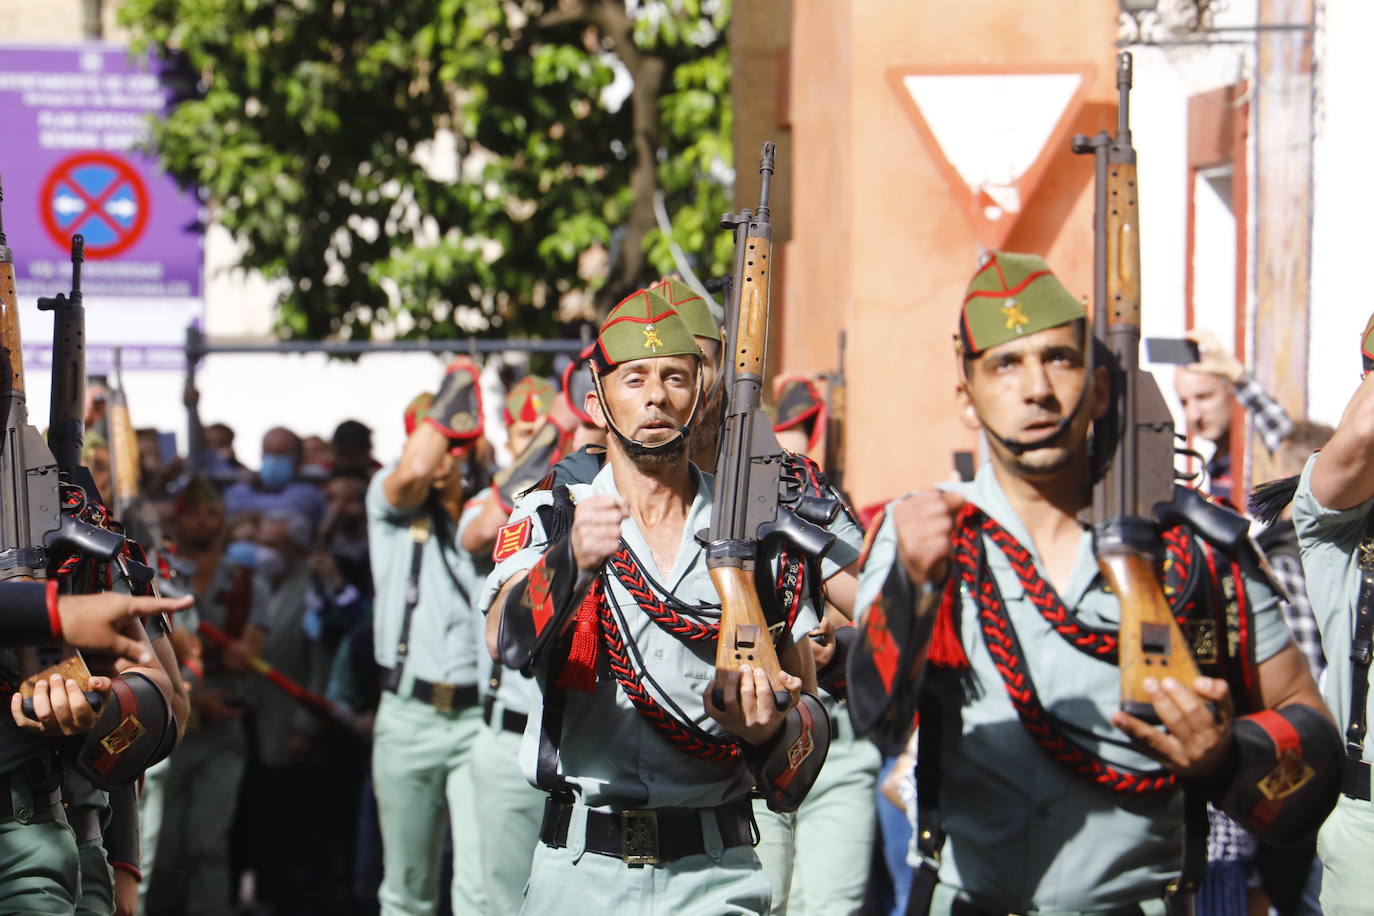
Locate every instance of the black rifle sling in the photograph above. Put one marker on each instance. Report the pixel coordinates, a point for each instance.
(419, 535)
(1355, 774)
(556, 519)
(930, 837)
(439, 520)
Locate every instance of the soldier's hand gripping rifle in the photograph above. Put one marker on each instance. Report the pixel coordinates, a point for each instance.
(1140, 480)
(750, 507)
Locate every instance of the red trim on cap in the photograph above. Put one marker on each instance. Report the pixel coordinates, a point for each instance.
(54, 616)
(995, 294)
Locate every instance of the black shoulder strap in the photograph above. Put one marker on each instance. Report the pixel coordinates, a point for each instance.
(1355, 775)
(439, 520)
(930, 836)
(420, 533)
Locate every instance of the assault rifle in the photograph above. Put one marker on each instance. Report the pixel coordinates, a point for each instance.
(1139, 484)
(34, 531)
(753, 505)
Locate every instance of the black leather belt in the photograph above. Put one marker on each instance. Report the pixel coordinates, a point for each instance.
(443, 697)
(42, 777)
(962, 906)
(650, 836)
(510, 721)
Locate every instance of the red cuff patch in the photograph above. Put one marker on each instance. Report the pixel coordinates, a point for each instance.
(510, 539)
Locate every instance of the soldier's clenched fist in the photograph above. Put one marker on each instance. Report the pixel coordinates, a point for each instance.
(924, 522)
(596, 530)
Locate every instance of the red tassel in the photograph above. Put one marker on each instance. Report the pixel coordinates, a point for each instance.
(946, 651)
(580, 671)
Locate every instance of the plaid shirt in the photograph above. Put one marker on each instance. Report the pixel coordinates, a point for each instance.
(1271, 420)
(1298, 612)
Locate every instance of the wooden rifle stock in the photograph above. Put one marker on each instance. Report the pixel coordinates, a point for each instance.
(1140, 477)
(748, 459)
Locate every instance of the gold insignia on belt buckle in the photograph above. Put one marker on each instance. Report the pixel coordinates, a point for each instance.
(1288, 776)
(123, 737)
(639, 837)
(441, 697)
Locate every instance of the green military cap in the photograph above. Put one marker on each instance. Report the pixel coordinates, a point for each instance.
(1367, 345)
(642, 326)
(695, 311)
(1010, 296)
(529, 400)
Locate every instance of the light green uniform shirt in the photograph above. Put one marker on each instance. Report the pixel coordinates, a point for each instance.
(1024, 832)
(443, 627)
(514, 691)
(610, 755)
(1329, 540)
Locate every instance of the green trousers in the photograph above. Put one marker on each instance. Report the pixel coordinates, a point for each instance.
(571, 881)
(509, 810)
(97, 880)
(817, 858)
(422, 776)
(151, 803)
(39, 871)
(192, 874)
(1345, 846)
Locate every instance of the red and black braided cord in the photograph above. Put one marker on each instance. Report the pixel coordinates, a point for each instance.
(690, 740)
(627, 570)
(999, 635)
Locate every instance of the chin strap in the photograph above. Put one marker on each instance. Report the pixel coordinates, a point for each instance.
(634, 447)
(1016, 446)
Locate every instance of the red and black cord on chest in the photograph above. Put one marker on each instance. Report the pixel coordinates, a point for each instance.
(971, 570)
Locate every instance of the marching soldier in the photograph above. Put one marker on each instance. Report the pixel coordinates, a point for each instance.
(817, 858)
(426, 644)
(648, 778)
(1331, 512)
(1035, 792)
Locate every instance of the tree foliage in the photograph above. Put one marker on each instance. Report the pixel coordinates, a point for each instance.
(439, 167)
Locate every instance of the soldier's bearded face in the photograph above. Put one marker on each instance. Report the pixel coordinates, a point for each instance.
(650, 399)
(1023, 390)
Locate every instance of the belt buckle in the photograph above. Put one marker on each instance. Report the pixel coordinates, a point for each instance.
(639, 837)
(441, 696)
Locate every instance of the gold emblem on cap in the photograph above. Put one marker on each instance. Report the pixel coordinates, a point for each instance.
(462, 422)
(651, 339)
(1016, 319)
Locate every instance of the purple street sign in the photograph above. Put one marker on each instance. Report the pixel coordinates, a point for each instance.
(76, 123)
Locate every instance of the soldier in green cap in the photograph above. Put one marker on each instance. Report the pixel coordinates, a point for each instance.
(607, 600)
(982, 605)
(426, 643)
(1335, 526)
(701, 320)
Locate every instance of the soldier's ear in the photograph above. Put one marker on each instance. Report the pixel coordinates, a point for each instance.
(591, 406)
(1101, 395)
(968, 414)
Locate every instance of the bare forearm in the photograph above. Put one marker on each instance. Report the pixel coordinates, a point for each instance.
(1343, 476)
(407, 486)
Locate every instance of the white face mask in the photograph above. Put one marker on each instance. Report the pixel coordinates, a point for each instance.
(271, 565)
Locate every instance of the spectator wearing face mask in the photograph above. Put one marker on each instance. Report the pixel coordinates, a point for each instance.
(277, 486)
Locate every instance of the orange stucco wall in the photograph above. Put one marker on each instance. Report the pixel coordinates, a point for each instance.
(879, 245)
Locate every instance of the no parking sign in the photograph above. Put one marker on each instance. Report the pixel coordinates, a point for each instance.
(74, 161)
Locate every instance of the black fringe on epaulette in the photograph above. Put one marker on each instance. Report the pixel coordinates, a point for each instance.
(1269, 499)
